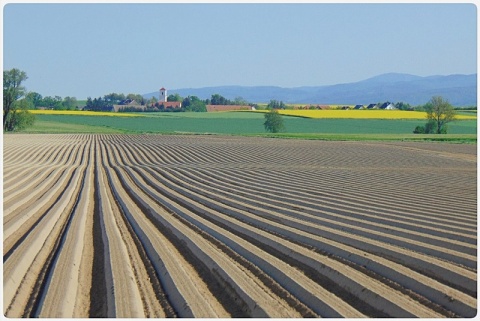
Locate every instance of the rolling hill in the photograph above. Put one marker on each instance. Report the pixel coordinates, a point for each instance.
(460, 90)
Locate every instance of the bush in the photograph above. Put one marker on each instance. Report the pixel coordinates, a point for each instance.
(19, 119)
(430, 128)
(419, 130)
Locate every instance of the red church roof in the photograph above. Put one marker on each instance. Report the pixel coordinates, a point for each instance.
(162, 88)
(171, 104)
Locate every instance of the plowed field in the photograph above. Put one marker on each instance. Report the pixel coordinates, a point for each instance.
(210, 226)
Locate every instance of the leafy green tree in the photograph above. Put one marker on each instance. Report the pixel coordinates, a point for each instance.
(174, 97)
(114, 98)
(152, 101)
(275, 104)
(273, 122)
(14, 111)
(20, 118)
(193, 103)
(34, 98)
(440, 112)
(97, 104)
(52, 102)
(240, 101)
(137, 97)
(219, 100)
(69, 103)
(403, 106)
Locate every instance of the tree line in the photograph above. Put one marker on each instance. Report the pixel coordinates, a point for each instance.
(17, 101)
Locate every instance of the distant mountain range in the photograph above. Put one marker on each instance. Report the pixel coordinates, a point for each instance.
(460, 90)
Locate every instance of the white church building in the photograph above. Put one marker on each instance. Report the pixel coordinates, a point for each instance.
(167, 104)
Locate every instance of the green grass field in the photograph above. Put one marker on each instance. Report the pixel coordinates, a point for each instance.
(232, 123)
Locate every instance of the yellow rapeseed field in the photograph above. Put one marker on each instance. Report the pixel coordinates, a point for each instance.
(82, 113)
(361, 114)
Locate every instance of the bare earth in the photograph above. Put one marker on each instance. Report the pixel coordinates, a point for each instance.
(209, 226)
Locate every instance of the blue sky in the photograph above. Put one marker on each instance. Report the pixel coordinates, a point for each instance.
(91, 50)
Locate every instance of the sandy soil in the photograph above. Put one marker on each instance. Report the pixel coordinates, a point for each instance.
(210, 226)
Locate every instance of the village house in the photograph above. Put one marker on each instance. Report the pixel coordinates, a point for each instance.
(388, 106)
(127, 103)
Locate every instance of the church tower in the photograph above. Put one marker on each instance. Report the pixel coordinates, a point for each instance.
(163, 95)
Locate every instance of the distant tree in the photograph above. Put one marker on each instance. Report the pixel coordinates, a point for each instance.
(58, 102)
(174, 97)
(114, 98)
(152, 101)
(15, 113)
(132, 96)
(273, 122)
(52, 102)
(240, 101)
(219, 100)
(403, 106)
(138, 98)
(193, 103)
(275, 104)
(97, 104)
(441, 112)
(34, 98)
(69, 103)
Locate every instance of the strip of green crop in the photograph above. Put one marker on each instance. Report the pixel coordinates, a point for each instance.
(52, 127)
(227, 124)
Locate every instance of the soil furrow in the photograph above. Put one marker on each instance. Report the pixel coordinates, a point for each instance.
(114, 225)
(194, 233)
(98, 289)
(379, 268)
(324, 215)
(462, 277)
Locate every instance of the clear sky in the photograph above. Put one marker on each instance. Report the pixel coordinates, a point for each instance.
(84, 50)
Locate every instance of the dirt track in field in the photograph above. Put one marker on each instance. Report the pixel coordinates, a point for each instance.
(209, 226)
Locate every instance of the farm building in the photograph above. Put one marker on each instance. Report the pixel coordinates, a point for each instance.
(372, 106)
(359, 107)
(130, 103)
(388, 106)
